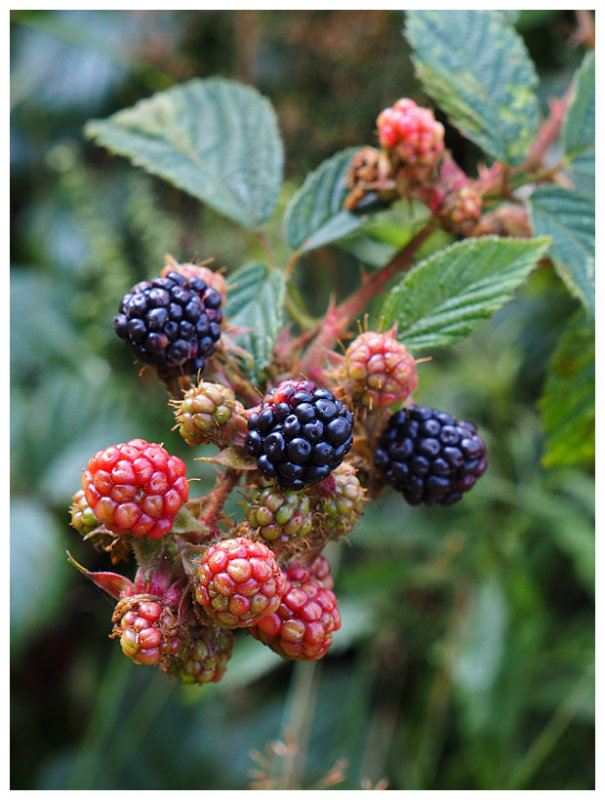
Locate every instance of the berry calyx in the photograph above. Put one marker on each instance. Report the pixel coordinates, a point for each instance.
(172, 323)
(209, 413)
(147, 629)
(341, 505)
(429, 456)
(237, 582)
(136, 488)
(378, 370)
(202, 657)
(411, 132)
(303, 625)
(278, 515)
(299, 434)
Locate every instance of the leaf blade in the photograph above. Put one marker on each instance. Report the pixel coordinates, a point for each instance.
(215, 139)
(491, 99)
(579, 123)
(315, 216)
(255, 303)
(569, 219)
(445, 297)
(567, 405)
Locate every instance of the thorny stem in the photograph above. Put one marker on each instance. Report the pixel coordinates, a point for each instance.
(335, 323)
(214, 501)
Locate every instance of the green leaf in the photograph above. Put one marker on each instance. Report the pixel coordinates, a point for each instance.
(476, 67)
(38, 568)
(478, 657)
(569, 219)
(255, 303)
(568, 403)
(449, 294)
(315, 215)
(216, 139)
(579, 124)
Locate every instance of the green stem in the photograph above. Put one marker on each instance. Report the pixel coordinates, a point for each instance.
(302, 701)
(550, 735)
(296, 311)
(139, 721)
(101, 723)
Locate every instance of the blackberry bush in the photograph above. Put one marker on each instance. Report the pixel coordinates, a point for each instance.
(313, 418)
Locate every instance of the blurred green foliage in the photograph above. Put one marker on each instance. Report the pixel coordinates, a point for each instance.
(466, 656)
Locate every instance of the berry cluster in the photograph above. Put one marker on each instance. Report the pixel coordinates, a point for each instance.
(203, 577)
(429, 456)
(411, 132)
(299, 434)
(172, 323)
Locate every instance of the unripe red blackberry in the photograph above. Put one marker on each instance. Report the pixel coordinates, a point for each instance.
(341, 504)
(303, 625)
(237, 581)
(209, 413)
(299, 434)
(411, 132)
(429, 456)
(378, 370)
(171, 323)
(202, 657)
(82, 516)
(136, 488)
(279, 515)
(147, 629)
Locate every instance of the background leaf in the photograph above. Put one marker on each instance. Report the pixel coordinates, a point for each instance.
(569, 219)
(315, 215)
(216, 139)
(447, 296)
(38, 568)
(255, 302)
(476, 68)
(579, 124)
(568, 403)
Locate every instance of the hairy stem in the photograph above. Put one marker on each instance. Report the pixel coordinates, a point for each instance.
(211, 508)
(338, 319)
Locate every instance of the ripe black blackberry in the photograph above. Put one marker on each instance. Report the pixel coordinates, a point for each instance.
(429, 456)
(299, 434)
(171, 323)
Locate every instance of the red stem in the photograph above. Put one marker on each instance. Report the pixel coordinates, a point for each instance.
(214, 501)
(338, 319)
